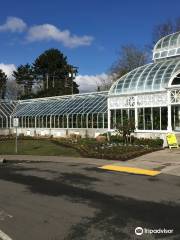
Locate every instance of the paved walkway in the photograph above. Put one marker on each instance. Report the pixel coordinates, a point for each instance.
(59, 159)
(166, 161)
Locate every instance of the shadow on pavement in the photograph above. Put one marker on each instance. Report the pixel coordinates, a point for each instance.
(116, 216)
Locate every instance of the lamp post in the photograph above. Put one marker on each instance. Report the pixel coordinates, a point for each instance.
(16, 125)
(72, 75)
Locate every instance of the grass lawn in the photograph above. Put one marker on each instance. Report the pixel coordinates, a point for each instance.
(36, 147)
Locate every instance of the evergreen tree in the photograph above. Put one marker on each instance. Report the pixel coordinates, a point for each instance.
(24, 77)
(3, 82)
(51, 72)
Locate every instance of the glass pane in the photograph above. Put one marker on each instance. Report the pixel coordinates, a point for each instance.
(132, 115)
(164, 54)
(141, 118)
(176, 80)
(176, 118)
(105, 120)
(125, 115)
(171, 52)
(79, 121)
(83, 117)
(38, 122)
(90, 121)
(178, 51)
(156, 118)
(65, 121)
(164, 118)
(94, 120)
(174, 38)
(54, 121)
(118, 117)
(44, 122)
(61, 121)
(74, 121)
(70, 121)
(156, 55)
(165, 43)
(100, 120)
(48, 121)
(113, 119)
(148, 120)
(159, 45)
(20, 122)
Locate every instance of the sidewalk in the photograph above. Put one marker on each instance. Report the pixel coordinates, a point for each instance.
(58, 159)
(166, 161)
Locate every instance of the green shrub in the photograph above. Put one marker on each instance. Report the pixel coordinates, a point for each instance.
(116, 139)
(148, 141)
(138, 141)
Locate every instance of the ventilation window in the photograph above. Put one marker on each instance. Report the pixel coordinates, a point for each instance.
(164, 54)
(172, 52)
(178, 51)
(156, 55)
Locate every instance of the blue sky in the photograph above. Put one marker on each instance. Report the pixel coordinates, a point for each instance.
(96, 29)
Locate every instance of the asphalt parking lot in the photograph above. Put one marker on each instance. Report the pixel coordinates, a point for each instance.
(74, 199)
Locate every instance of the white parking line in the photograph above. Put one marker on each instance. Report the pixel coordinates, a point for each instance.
(4, 236)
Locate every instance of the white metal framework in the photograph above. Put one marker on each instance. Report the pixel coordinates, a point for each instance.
(72, 111)
(6, 110)
(168, 46)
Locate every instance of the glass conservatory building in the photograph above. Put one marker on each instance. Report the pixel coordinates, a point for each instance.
(84, 114)
(149, 95)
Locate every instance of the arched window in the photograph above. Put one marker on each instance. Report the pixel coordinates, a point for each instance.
(176, 80)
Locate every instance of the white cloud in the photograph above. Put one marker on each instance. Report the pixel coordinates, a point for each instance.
(51, 32)
(8, 68)
(45, 32)
(89, 83)
(13, 24)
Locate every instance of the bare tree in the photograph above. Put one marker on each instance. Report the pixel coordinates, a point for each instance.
(165, 28)
(130, 57)
(104, 82)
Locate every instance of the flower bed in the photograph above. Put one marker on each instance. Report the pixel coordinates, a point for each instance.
(109, 150)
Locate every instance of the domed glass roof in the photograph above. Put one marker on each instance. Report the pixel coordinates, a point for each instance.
(168, 46)
(149, 78)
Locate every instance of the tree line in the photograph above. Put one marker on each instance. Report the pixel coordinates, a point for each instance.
(49, 75)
